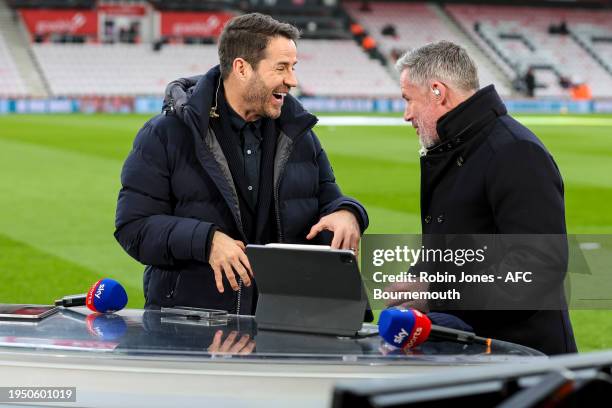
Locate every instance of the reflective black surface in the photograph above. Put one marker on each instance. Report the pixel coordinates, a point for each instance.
(154, 334)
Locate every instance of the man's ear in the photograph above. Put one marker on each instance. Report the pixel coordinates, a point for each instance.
(439, 91)
(241, 69)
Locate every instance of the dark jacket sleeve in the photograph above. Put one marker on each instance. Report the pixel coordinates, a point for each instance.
(145, 226)
(330, 195)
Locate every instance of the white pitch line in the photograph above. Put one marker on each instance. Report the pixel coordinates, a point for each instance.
(564, 121)
(526, 120)
(361, 121)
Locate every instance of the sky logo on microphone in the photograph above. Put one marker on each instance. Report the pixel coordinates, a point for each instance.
(404, 328)
(106, 295)
(100, 290)
(399, 337)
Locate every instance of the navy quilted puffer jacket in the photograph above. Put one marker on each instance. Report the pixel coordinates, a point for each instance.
(176, 185)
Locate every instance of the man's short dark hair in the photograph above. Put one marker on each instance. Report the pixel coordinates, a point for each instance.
(247, 37)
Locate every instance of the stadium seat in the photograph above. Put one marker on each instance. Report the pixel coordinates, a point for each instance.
(340, 68)
(417, 24)
(500, 26)
(11, 82)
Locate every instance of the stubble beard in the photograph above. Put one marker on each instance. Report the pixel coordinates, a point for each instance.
(258, 97)
(428, 136)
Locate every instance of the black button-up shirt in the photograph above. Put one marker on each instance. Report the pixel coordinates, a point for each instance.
(249, 135)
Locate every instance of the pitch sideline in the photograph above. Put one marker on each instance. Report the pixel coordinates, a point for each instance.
(526, 120)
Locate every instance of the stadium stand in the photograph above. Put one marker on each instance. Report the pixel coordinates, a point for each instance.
(56, 4)
(597, 40)
(119, 69)
(18, 76)
(192, 5)
(417, 24)
(123, 69)
(504, 41)
(314, 19)
(520, 37)
(341, 68)
(11, 82)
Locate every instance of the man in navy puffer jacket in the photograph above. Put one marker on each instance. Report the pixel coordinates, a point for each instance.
(239, 165)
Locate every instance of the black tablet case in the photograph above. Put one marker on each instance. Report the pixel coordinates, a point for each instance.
(305, 290)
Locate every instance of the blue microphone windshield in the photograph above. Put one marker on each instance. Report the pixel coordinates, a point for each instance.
(106, 295)
(404, 328)
(392, 322)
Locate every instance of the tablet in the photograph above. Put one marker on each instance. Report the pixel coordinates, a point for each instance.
(306, 288)
(25, 312)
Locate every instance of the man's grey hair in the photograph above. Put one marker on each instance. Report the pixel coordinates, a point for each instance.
(443, 61)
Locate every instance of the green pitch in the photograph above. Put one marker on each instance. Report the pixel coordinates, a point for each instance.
(59, 178)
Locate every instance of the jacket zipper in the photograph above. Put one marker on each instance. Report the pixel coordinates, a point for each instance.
(277, 211)
(277, 202)
(239, 295)
(239, 224)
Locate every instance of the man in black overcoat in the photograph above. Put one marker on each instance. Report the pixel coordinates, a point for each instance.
(482, 172)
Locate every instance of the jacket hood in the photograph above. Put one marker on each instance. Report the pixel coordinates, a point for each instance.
(293, 120)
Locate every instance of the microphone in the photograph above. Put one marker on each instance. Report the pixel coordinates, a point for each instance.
(409, 328)
(106, 295)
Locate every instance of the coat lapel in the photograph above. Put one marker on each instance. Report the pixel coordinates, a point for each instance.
(215, 164)
(208, 151)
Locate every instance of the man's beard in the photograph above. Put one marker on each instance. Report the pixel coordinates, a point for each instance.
(427, 137)
(258, 97)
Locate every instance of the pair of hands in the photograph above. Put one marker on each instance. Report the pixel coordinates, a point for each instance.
(228, 257)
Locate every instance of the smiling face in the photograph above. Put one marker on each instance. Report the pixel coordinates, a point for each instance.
(268, 85)
(422, 109)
